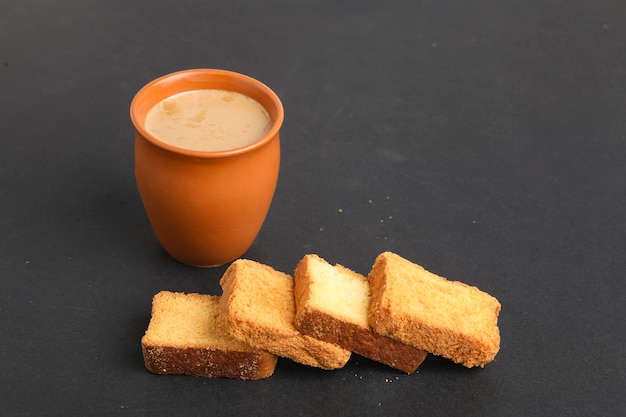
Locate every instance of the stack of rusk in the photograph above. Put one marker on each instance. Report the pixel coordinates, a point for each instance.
(319, 317)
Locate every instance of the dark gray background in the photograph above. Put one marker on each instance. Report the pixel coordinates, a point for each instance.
(489, 136)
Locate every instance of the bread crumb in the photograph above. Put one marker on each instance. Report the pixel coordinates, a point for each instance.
(370, 201)
(340, 210)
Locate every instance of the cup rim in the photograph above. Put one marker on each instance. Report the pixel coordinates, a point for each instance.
(188, 73)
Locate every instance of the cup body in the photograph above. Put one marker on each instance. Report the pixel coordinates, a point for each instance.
(206, 208)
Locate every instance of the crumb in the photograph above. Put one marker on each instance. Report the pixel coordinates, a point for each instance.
(370, 201)
(340, 210)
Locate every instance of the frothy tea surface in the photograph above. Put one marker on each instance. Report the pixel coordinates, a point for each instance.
(208, 120)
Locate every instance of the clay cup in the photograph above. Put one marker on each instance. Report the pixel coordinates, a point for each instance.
(206, 208)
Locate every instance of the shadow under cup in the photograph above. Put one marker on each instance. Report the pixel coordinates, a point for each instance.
(206, 208)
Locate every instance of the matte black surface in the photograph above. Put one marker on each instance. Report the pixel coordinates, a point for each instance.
(484, 140)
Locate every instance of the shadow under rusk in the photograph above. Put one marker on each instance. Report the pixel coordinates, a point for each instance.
(441, 365)
(357, 367)
(294, 370)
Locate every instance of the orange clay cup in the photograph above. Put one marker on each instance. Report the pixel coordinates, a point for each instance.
(206, 208)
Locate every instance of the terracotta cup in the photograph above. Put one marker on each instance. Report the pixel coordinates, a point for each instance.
(206, 208)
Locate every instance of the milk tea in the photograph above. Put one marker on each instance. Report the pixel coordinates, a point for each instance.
(208, 120)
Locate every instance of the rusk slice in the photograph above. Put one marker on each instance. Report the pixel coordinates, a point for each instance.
(185, 337)
(332, 305)
(446, 318)
(259, 306)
